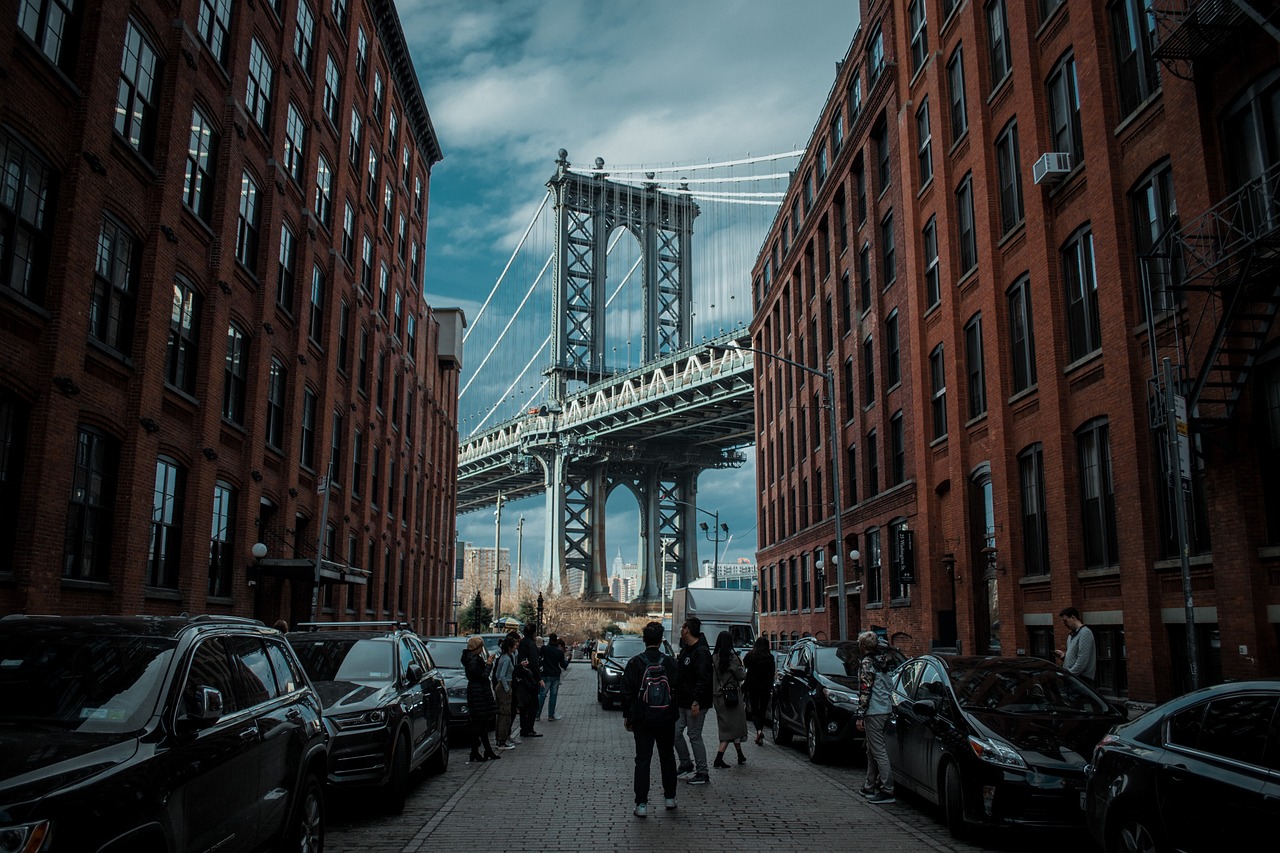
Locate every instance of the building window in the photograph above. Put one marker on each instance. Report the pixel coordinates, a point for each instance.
(355, 142)
(222, 540)
(1035, 518)
(344, 334)
(919, 34)
(880, 139)
(955, 91)
(417, 194)
(165, 552)
(1111, 675)
(967, 234)
(1133, 25)
(362, 59)
(335, 450)
(277, 381)
(339, 9)
(362, 375)
(53, 26)
(315, 318)
(875, 57)
(304, 37)
(871, 559)
(868, 372)
(247, 223)
(864, 278)
(974, 367)
(348, 232)
(26, 195)
(933, 288)
(184, 337)
(307, 441)
(287, 272)
(888, 251)
(411, 336)
(897, 450)
(872, 454)
(1083, 321)
(136, 108)
(1154, 208)
(388, 207)
(257, 98)
(893, 359)
(366, 264)
(371, 189)
(1097, 495)
(415, 264)
(835, 132)
(332, 90)
(397, 323)
(1022, 345)
(197, 187)
(91, 510)
(855, 98)
(384, 289)
(860, 182)
(357, 463)
(1010, 177)
(1064, 111)
(379, 93)
(924, 142)
(938, 401)
(324, 192)
(998, 42)
(1048, 7)
(295, 136)
(851, 400)
(236, 375)
(115, 286)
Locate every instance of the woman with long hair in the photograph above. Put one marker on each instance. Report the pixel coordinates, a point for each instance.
(480, 699)
(761, 669)
(727, 674)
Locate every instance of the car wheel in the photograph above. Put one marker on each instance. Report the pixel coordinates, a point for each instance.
(781, 735)
(812, 740)
(439, 762)
(398, 784)
(1134, 832)
(953, 802)
(306, 831)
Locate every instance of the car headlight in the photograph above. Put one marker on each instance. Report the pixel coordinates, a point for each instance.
(376, 717)
(995, 751)
(840, 697)
(458, 691)
(25, 837)
(612, 668)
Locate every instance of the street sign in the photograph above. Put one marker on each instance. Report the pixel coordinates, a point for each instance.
(322, 485)
(905, 547)
(1183, 436)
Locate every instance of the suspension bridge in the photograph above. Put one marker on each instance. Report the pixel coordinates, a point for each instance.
(600, 359)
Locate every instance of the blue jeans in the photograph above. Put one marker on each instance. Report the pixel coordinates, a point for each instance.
(549, 691)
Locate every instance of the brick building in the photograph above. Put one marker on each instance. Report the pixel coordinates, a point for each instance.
(997, 322)
(212, 229)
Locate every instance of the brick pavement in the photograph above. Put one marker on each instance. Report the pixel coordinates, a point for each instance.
(579, 775)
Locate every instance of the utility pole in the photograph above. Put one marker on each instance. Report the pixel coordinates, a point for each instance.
(519, 552)
(321, 486)
(497, 562)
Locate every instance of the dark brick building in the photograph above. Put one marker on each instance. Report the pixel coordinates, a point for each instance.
(997, 321)
(212, 226)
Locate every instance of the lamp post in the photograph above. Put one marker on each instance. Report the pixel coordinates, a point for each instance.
(540, 614)
(830, 378)
(715, 565)
(497, 562)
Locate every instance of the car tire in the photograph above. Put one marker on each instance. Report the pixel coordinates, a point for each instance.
(306, 829)
(398, 784)
(1135, 832)
(438, 763)
(953, 801)
(781, 734)
(813, 739)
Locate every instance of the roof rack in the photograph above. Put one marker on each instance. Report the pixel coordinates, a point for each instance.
(219, 617)
(326, 626)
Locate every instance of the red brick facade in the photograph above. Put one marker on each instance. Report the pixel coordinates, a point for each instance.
(126, 431)
(1011, 416)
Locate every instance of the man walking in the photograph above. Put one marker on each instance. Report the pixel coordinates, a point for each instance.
(529, 671)
(554, 663)
(1081, 656)
(693, 696)
(650, 715)
(873, 696)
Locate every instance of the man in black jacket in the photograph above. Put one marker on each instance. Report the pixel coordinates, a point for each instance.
(651, 725)
(554, 663)
(529, 674)
(693, 695)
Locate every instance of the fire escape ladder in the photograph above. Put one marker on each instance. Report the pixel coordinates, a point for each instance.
(1187, 30)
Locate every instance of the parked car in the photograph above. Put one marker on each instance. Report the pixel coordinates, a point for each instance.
(1201, 772)
(384, 700)
(447, 653)
(816, 694)
(995, 740)
(158, 734)
(598, 653)
(618, 651)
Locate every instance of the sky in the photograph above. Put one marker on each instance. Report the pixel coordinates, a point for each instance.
(510, 82)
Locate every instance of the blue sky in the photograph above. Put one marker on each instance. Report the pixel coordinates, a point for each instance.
(509, 82)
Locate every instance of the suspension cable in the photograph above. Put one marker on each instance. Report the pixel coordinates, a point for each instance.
(510, 260)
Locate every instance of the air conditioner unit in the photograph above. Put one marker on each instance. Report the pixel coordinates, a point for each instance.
(1053, 165)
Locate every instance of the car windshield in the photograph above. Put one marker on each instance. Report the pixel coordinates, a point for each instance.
(447, 653)
(83, 682)
(1029, 689)
(626, 648)
(836, 660)
(346, 659)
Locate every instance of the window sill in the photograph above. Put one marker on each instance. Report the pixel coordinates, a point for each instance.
(83, 583)
(1034, 580)
(899, 602)
(1093, 574)
(1079, 363)
(155, 593)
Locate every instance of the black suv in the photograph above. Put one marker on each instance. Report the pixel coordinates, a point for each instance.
(384, 700)
(816, 694)
(614, 661)
(158, 734)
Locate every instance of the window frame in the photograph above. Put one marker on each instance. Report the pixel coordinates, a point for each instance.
(137, 113)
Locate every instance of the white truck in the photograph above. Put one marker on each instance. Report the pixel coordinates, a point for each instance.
(719, 609)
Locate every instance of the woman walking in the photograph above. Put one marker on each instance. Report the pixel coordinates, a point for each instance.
(759, 683)
(503, 671)
(480, 699)
(731, 717)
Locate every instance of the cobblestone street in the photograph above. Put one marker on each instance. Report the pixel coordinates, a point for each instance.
(579, 776)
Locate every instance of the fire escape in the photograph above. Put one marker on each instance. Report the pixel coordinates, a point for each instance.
(1212, 284)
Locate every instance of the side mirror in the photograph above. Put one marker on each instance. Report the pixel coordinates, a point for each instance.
(205, 708)
(925, 707)
(414, 673)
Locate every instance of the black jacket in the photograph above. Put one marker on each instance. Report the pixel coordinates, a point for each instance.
(479, 690)
(633, 674)
(693, 682)
(528, 651)
(761, 669)
(553, 661)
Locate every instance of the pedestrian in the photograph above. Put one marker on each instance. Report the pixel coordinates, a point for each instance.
(1081, 656)
(282, 626)
(873, 697)
(693, 696)
(553, 664)
(650, 715)
(528, 679)
(731, 717)
(480, 699)
(504, 692)
(758, 685)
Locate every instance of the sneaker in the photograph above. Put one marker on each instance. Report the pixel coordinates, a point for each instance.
(882, 798)
(685, 772)
(699, 779)
(506, 745)
(671, 802)
(555, 717)
(531, 734)
(642, 810)
(869, 790)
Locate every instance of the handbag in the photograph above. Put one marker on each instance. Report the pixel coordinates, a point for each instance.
(729, 693)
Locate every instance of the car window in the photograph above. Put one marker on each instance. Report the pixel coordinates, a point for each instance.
(255, 682)
(288, 676)
(1025, 689)
(625, 648)
(406, 657)
(447, 654)
(210, 667)
(904, 682)
(1234, 727)
(932, 684)
(421, 654)
(347, 659)
(836, 660)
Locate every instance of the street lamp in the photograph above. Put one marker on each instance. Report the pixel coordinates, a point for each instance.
(715, 566)
(497, 562)
(539, 614)
(829, 377)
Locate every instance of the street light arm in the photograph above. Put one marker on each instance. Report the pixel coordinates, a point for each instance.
(782, 358)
